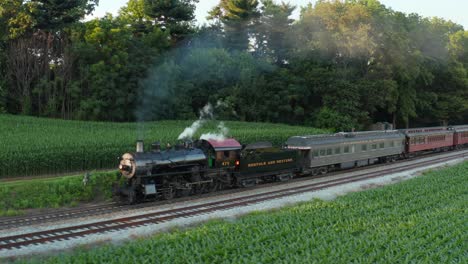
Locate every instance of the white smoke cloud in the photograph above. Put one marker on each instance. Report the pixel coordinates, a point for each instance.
(190, 131)
(220, 103)
(220, 135)
(206, 113)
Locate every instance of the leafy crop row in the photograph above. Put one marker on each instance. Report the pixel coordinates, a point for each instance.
(423, 220)
(34, 146)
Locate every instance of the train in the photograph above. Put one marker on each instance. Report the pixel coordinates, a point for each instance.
(209, 165)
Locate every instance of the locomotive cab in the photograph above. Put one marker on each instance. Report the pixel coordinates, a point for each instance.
(221, 154)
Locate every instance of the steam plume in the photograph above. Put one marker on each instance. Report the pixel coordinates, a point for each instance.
(220, 135)
(206, 113)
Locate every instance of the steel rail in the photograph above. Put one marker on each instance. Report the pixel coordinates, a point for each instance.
(62, 214)
(17, 241)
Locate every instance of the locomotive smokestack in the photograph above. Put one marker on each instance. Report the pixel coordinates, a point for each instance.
(139, 146)
(156, 147)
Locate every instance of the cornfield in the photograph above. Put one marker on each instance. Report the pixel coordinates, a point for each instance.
(38, 146)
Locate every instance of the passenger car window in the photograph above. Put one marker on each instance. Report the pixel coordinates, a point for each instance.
(322, 152)
(329, 151)
(382, 145)
(337, 150)
(346, 149)
(364, 147)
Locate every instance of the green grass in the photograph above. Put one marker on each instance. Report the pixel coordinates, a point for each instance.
(424, 220)
(17, 196)
(38, 146)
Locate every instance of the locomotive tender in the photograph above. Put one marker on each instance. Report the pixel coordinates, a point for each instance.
(210, 165)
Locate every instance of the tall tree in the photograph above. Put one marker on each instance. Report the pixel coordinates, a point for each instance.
(54, 15)
(237, 18)
(174, 15)
(272, 30)
(16, 20)
(36, 49)
(134, 14)
(111, 61)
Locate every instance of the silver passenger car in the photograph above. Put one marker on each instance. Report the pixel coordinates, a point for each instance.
(322, 153)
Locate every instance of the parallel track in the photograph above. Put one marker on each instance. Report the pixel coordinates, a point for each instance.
(18, 241)
(94, 210)
(17, 221)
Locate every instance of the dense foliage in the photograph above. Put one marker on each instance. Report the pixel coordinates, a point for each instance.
(35, 146)
(341, 65)
(17, 196)
(418, 221)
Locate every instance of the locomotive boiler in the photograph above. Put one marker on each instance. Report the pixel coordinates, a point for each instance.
(150, 163)
(161, 173)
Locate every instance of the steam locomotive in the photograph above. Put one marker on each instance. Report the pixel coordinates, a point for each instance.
(209, 165)
(202, 166)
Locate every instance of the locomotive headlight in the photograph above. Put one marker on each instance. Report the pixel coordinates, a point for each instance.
(127, 166)
(124, 167)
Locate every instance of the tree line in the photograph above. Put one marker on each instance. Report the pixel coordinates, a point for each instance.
(342, 65)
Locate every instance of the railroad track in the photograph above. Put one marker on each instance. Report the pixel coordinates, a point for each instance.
(52, 235)
(94, 210)
(8, 222)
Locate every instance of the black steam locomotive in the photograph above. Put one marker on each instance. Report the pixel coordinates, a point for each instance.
(200, 167)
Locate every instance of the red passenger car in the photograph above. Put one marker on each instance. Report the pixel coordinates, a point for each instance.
(430, 138)
(461, 135)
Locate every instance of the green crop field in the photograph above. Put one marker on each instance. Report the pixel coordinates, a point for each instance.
(18, 196)
(423, 220)
(38, 146)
